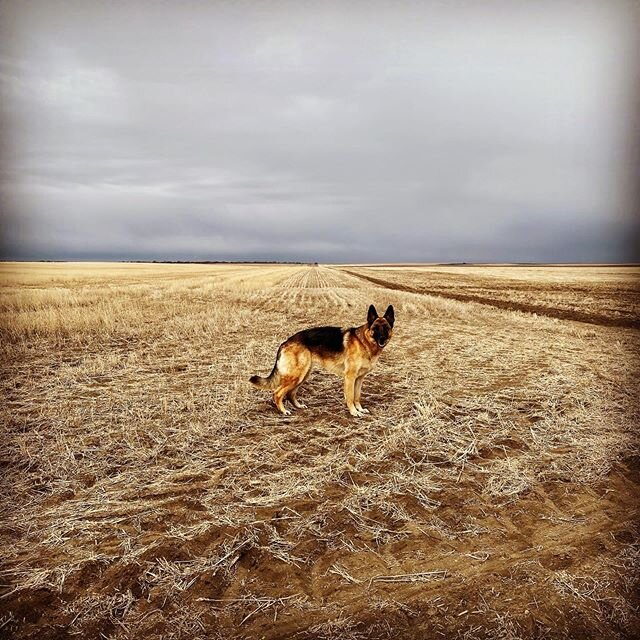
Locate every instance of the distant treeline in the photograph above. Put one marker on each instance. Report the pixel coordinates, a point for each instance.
(174, 261)
(211, 262)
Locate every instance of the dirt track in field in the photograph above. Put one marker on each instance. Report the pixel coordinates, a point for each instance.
(453, 284)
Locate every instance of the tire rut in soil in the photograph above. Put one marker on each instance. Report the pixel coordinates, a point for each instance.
(550, 312)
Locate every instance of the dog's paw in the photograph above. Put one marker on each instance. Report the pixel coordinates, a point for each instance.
(355, 413)
(286, 412)
(301, 405)
(362, 409)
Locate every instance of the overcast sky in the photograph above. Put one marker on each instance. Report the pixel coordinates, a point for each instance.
(346, 132)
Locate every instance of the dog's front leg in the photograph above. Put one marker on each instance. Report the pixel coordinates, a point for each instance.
(349, 393)
(357, 387)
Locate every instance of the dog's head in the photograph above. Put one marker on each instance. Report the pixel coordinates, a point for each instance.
(381, 327)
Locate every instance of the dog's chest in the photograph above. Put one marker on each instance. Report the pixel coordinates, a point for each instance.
(367, 364)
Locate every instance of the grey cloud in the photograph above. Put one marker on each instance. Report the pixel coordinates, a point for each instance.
(481, 131)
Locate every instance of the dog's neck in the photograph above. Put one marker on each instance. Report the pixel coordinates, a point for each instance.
(364, 335)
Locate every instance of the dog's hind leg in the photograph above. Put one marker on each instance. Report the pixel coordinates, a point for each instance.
(293, 368)
(281, 393)
(305, 370)
(288, 389)
(293, 398)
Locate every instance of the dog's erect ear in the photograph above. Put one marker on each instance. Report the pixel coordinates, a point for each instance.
(390, 315)
(372, 316)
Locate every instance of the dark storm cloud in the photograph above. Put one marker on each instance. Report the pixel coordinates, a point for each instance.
(480, 131)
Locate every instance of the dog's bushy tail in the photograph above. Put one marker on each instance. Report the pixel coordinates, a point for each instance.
(271, 381)
(262, 383)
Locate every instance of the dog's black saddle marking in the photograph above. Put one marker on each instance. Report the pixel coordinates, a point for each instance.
(326, 338)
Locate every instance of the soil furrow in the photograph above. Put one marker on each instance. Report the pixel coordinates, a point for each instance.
(509, 305)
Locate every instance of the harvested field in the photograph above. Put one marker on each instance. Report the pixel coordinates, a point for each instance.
(148, 491)
(597, 295)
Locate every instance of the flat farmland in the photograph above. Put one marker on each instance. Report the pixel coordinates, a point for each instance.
(149, 491)
(595, 294)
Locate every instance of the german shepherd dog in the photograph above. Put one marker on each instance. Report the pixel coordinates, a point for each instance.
(351, 353)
